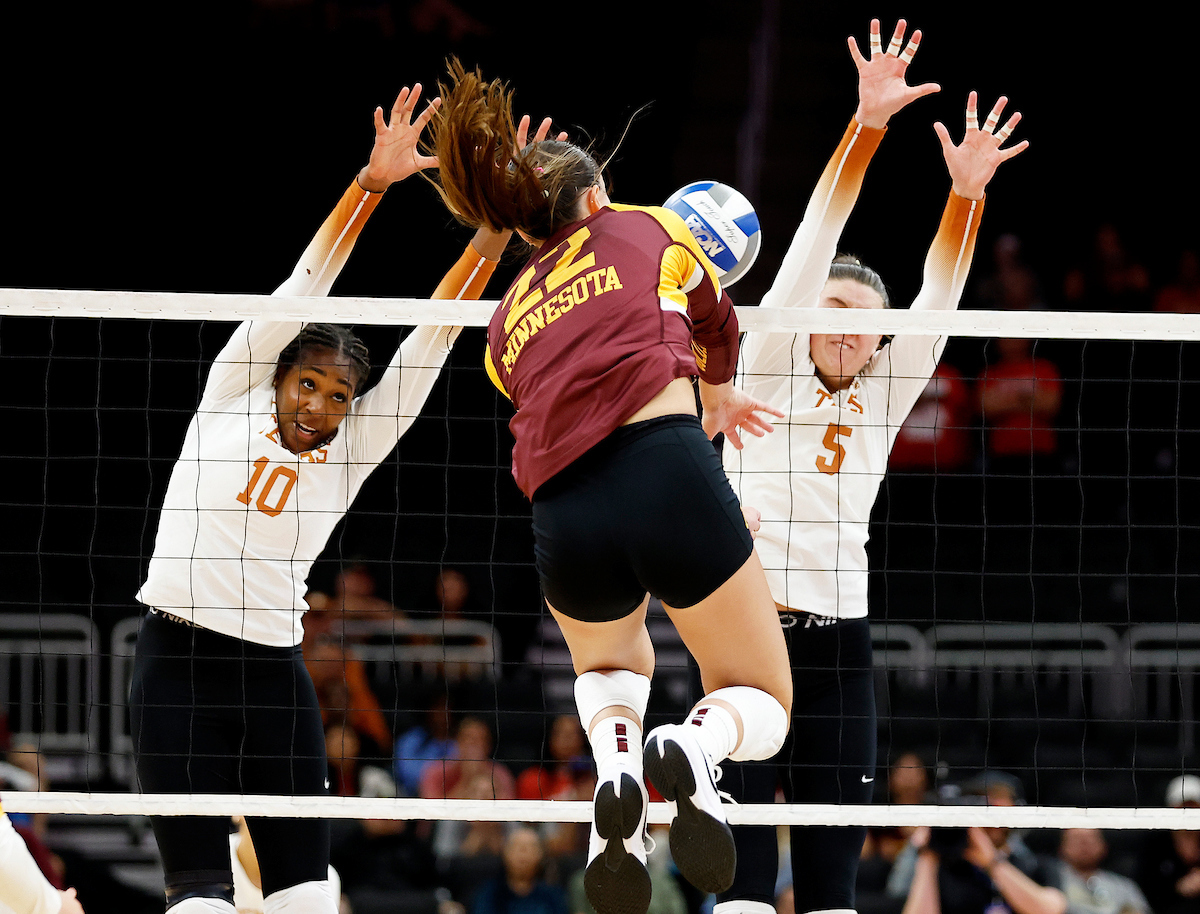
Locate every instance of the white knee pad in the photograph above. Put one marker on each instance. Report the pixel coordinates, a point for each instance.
(196, 905)
(305, 898)
(596, 691)
(764, 721)
(739, 906)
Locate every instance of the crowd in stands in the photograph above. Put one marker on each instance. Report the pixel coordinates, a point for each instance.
(1012, 389)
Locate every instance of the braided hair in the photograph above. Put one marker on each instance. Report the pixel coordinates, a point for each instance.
(335, 338)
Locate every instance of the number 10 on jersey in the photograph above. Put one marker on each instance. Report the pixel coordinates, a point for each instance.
(263, 502)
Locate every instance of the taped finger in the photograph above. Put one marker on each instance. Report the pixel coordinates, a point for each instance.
(1009, 126)
(910, 50)
(897, 42)
(876, 43)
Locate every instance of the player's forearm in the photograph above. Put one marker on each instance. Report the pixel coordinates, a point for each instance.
(805, 267)
(923, 895)
(1023, 894)
(949, 259)
(330, 248)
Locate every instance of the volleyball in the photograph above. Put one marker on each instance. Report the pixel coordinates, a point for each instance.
(723, 222)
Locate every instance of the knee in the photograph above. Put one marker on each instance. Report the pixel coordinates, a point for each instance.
(764, 721)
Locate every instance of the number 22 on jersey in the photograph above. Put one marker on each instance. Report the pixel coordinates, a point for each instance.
(832, 433)
(268, 491)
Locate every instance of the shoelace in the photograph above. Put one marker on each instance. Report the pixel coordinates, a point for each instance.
(717, 772)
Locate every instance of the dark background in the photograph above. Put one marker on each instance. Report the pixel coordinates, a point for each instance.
(196, 147)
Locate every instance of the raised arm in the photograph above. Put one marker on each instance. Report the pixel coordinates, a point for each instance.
(250, 356)
(971, 165)
(882, 91)
(387, 411)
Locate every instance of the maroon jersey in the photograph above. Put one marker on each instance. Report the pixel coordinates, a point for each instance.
(607, 313)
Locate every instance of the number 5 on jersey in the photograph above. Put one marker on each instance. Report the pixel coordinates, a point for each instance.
(263, 502)
(834, 446)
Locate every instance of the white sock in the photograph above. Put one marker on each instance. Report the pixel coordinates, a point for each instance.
(617, 742)
(715, 730)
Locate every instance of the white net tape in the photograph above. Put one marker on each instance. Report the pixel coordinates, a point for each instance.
(194, 306)
(574, 811)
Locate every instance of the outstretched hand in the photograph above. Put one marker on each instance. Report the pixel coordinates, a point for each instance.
(974, 161)
(396, 154)
(731, 410)
(882, 90)
(542, 132)
(492, 244)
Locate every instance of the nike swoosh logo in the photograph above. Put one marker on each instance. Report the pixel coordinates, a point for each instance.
(867, 780)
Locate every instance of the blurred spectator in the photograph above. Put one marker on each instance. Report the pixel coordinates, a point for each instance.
(387, 868)
(1088, 888)
(1019, 398)
(1012, 285)
(908, 780)
(348, 776)
(1169, 869)
(569, 775)
(424, 743)
(1111, 281)
(471, 774)
(247, 880)
(987, 869)
(908, 783)
(444, 18)
(1183, 294)
(353, 597)
(25, 770)
(344, 694)
(666, 897)
(521, 890)
(569, 764)
(452, 590)
(936, 436)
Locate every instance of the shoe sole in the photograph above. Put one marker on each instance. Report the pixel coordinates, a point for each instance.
(701, 845)
(616, 881)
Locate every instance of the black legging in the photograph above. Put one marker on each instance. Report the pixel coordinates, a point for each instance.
(215, 714)
(829, 757)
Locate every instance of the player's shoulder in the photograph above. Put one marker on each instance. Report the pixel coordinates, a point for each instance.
(670, 221)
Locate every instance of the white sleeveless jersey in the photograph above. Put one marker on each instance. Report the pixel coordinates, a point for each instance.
(244, 518)
(816, 477)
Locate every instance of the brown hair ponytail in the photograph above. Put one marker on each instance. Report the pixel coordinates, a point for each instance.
(482, 176)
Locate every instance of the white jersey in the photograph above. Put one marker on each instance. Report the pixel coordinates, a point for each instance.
(816, 477)
(23, 888)
(244, 518)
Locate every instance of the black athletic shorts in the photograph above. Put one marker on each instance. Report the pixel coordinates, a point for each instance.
(649, 508)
